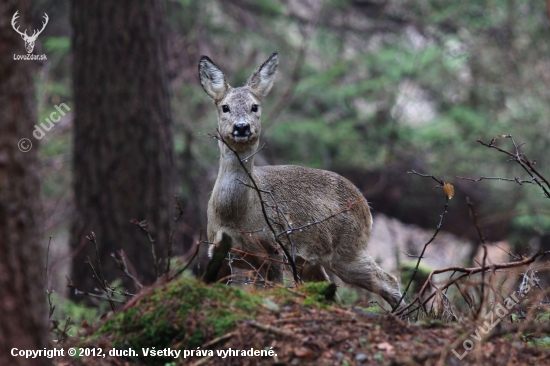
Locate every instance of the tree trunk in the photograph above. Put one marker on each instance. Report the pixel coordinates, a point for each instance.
(123, 164)
(23, 323)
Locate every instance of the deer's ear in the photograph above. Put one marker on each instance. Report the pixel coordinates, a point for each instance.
(212, 78)
(262, 79)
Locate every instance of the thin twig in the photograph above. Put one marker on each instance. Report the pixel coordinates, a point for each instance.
(121, 264)
(92, 238)
(441, 184)
(438, 180)
(520, 158)
(102, 283)
(280, 214)
(218, 340)
(190, 260)
(262, 204)
(144, 226)
(482, 238)
(254, 153)
(466, 272)
(264, 256)
(110, 299)
(62, 334)
(101, 278)
(47, 260)
(516, 179)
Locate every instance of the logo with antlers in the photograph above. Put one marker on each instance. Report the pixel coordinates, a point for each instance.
(29, 40)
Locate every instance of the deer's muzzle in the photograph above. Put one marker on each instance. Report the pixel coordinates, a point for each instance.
(241, 129)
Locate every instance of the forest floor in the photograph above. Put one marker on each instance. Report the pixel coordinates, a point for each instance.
(296, 327)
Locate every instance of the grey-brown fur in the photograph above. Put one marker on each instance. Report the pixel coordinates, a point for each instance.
(305, 195)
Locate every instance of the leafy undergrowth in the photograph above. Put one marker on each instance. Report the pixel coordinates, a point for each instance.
(300, 327)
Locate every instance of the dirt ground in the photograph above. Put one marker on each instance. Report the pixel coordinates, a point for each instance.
(300, 331)
(308, 336)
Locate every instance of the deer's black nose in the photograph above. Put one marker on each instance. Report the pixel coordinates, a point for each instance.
(241, 129)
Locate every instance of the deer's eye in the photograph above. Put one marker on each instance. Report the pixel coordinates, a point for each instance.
(225, 108)
(254, 108)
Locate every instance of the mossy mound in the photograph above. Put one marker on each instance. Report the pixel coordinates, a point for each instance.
(187, 313)
(297, 325)
(183, 314)
(320, 292)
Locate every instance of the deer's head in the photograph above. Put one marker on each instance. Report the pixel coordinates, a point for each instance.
(239, 109)
(29, 40)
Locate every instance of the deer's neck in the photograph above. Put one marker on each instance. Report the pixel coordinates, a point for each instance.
(232, 195)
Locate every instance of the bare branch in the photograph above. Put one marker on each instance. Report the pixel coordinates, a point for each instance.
(438, 180)
(257, 189)
(47, 260)
(466, 272)
(190, 260)
(447, 198)
(121, 264)
(482, 238)
(520, 158)
(144, 226)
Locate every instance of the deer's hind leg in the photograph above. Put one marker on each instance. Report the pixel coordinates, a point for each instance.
(362, 271)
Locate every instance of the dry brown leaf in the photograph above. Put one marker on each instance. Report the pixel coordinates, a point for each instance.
(387, 347)
(449, 190)
(303, 352)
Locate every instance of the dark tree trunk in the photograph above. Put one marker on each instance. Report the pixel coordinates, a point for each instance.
(123, 162)
(23, 323)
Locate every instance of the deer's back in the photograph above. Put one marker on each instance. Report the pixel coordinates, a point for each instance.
(312, 196)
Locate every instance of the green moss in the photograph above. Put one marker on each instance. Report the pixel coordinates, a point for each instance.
(540, 342)
(374, 309)
(407, 269)
(543, 317)
(320, 291)
(187, 313)
(179, 314)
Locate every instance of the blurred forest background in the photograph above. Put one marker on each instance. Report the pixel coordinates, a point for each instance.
(366, 88)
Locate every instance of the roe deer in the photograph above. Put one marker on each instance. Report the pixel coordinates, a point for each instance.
(302, 195)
